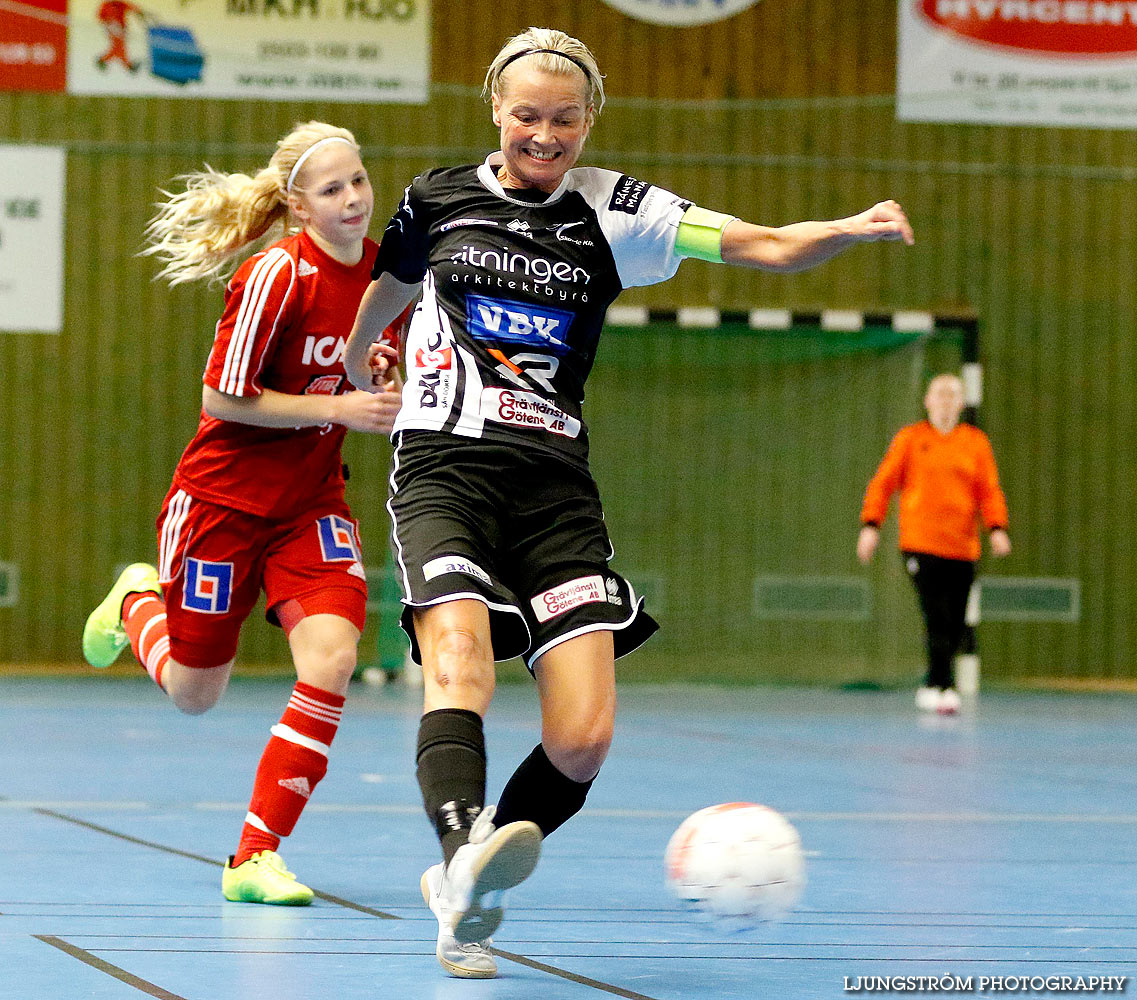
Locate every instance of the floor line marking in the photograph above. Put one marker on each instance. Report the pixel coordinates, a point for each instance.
(328, 897)
(114, 971)
(572, 977)
(508, 955)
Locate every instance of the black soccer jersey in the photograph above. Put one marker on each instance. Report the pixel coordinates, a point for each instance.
(514, 295)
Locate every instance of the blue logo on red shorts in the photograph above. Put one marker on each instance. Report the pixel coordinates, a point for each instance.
(208, 586)
(337, 539)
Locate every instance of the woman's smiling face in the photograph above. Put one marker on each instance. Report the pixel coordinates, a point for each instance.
(544, 120)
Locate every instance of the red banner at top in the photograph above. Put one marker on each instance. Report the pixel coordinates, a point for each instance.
(33, 44)
(1048, 27)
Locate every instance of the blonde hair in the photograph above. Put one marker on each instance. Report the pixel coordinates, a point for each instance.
(200, 231)
(575, 56)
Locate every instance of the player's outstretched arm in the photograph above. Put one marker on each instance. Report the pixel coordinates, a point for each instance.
(358, 411)
(802, 245)
(384, 299)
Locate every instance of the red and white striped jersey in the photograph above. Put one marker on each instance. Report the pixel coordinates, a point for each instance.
(288, 313)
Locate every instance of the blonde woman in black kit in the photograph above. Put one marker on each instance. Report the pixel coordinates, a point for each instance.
(498, 526)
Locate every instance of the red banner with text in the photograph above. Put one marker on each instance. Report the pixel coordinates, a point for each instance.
(33, 44)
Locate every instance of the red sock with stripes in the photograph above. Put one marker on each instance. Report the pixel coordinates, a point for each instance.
(144, 618)
(293, 763)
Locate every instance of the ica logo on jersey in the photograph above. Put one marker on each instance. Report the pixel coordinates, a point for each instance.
(517, 322)
(325, 351)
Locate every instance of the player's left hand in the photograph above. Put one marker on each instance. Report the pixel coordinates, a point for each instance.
(1000, 543)
(381, 360)
(884, 221)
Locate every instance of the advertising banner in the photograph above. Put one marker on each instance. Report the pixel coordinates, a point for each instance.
(1018, 62)
(33, 44)
(681, 12)
(32, 182)
(288, 50)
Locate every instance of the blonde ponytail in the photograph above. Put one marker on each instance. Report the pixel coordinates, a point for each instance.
(199, 232)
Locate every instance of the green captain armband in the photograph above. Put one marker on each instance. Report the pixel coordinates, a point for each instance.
(700, 234)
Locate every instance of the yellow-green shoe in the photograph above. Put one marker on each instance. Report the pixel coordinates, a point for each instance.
(263, 879)
(103, 635)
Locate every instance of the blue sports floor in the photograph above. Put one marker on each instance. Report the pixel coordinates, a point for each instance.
(1002, 843)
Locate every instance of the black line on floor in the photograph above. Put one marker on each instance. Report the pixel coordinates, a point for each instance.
(509, 956)
(127, 837)
(572, 977)
(114, 971)
(328, 897)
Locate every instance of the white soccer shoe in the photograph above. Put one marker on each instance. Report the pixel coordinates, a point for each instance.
(481, 870)
(942, 701)
(950, 702)
(928, 699)
(466, 961)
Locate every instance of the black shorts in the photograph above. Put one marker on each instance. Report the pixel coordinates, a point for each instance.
(522, 532)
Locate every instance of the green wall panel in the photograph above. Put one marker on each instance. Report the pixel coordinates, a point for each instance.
(781, 113)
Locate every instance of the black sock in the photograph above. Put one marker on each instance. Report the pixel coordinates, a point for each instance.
(541, 794)
(452, 773)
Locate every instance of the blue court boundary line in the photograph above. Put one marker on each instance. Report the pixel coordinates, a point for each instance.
(157, 991)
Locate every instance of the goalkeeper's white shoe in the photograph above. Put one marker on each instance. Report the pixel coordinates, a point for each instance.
(473, 960)
(481, 870)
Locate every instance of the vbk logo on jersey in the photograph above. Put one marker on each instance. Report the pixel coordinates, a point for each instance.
(337, 539)
(208, 586)
(517, 322)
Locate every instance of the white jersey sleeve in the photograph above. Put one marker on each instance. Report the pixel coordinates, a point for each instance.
(639, 220)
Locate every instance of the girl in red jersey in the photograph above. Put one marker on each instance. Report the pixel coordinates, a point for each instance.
(257, 501)
(945, 472)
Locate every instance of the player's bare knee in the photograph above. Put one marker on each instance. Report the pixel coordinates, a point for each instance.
(580, 755)
(334, 669)
(195, 691)
(193, 700)
(460, 659)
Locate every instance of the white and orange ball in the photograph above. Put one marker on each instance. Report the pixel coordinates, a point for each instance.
(738, 864)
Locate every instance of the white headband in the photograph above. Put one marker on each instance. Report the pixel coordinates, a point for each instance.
(308, 152)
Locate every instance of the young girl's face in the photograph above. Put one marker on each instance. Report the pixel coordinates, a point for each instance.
(335, 199)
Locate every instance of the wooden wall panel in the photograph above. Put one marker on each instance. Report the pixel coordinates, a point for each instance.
(782, 112)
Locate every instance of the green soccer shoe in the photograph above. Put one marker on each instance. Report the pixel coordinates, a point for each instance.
(103, 635)
(263, 879)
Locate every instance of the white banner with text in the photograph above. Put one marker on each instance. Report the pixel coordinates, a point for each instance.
(1018, 62)
(32, 180)
(287, 50)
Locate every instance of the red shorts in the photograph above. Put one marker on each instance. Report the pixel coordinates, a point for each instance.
(214, 561)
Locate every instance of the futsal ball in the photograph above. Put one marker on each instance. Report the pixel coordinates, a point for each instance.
(736, 864)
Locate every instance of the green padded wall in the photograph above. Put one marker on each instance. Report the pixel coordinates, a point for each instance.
(781, 113)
